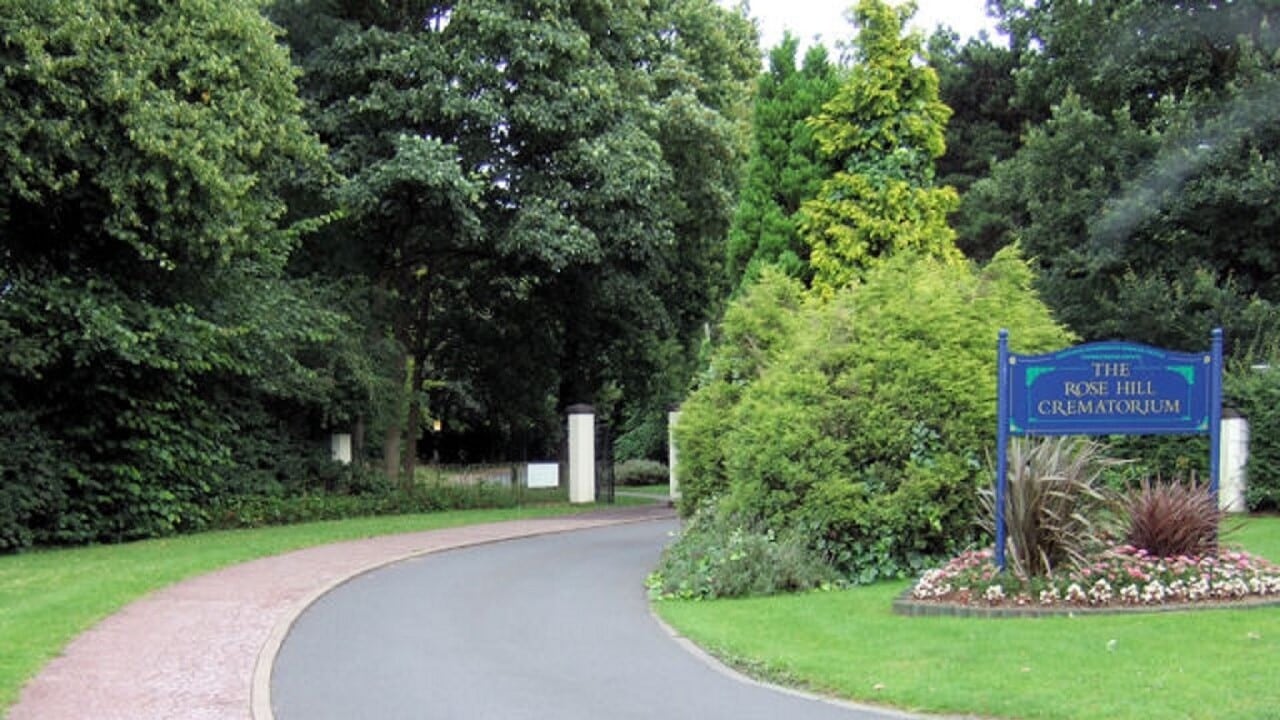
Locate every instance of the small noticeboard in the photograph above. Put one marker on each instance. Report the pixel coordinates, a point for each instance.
(1106, 388)
(543, 475)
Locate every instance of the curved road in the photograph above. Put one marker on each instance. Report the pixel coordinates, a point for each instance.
(549, 627)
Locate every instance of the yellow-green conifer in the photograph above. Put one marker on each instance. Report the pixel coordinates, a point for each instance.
(884, 128)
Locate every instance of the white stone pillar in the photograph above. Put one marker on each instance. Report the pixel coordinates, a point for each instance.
(673, 417)
(1235, 455)
(340, 447)
(582, 454)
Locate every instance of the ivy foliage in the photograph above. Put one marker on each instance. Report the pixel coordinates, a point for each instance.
(861, 419)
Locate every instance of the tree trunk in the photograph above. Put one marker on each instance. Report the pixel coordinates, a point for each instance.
(413, 426)
(391, 443)
(391, 451)
(358, 442)
(418, 342)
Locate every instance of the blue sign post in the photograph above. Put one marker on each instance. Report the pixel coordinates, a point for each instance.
(1105, 388)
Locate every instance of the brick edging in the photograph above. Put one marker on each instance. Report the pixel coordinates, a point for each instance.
(906, 605)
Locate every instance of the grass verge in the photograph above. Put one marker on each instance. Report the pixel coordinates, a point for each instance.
(50, 596)
(657, 492)
(1202, 664)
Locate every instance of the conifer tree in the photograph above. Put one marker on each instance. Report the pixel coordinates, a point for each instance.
(884, 129)
(785, 167)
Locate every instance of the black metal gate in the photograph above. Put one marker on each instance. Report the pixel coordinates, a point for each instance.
(604, 463)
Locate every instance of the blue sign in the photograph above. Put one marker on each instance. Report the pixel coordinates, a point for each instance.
(1108, 388)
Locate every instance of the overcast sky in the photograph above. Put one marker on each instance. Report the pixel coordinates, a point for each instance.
(825, 18)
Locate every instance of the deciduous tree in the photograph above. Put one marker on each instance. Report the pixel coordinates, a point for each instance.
(144, 149)
(584, 160)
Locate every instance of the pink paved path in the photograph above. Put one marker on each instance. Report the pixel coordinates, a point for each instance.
(203, 648)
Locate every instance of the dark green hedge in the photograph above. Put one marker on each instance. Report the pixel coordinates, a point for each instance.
(1257, 394)
(259, 511)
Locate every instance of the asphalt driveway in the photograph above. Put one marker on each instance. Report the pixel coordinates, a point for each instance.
(547, 627)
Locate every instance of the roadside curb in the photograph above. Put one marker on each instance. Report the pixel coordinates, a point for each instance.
(720, 666)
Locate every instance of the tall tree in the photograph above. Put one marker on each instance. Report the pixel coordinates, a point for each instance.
(976, 80)
(785, 168)
(144, 148)
(884, 128)
(1142, 196)
(1128, 53)
(581, 165)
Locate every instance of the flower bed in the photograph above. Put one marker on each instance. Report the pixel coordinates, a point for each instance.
(1119, 578)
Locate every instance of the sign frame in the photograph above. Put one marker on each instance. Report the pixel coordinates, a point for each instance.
(1105, 388)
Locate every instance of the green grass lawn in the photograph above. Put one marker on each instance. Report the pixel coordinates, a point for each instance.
(1204, 664)
(654, 491)
(49, 597)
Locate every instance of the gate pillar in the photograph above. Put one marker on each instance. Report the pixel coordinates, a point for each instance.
(340, 447)
(673, 417)
(582, 454)
(1232, 481)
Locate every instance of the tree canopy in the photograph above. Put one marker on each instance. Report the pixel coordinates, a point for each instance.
(1141, 185)
(224, 236)
(472, 211)
(146, 149)
(537, 190)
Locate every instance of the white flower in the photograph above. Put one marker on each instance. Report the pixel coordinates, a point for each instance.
(1100, 593)
(1199, 589)
(1129, 594)
(1153, 592)
(1075, 593)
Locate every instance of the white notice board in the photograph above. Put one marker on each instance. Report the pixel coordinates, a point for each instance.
(544, 475)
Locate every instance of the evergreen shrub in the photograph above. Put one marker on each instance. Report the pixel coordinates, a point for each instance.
(1257, 394)
(862, 421)
(756, 328)
(641, 472)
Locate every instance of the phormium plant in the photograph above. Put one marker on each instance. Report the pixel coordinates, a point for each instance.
(1057, 512)
(1168, 519)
